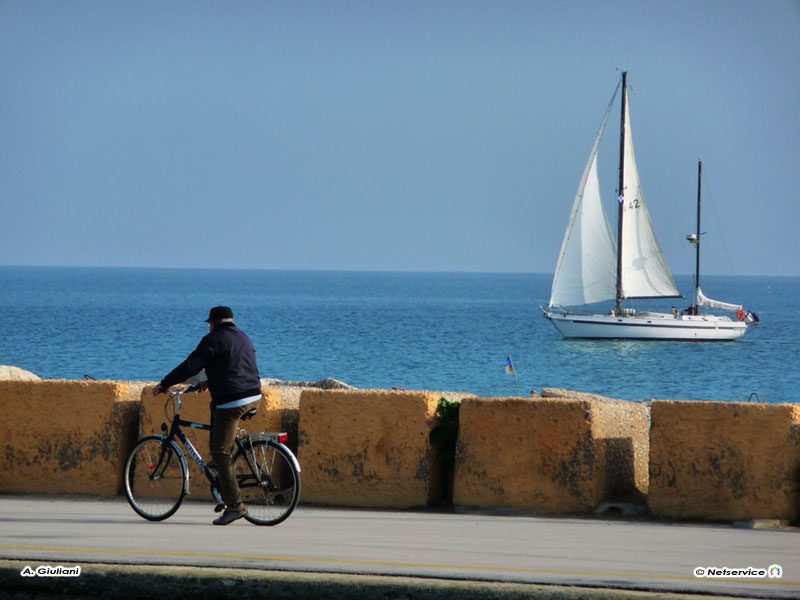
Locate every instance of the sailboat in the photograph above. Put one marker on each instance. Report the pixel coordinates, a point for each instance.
(593, 267)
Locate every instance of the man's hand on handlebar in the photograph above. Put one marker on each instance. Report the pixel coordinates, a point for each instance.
(158, 390)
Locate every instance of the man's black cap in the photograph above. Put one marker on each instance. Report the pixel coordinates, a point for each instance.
(218, 313)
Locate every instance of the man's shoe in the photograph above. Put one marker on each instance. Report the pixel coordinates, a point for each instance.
(229, 516)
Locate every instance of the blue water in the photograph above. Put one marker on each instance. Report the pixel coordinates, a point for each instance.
(434, 331)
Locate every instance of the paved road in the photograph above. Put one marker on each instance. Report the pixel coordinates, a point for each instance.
(460, 546)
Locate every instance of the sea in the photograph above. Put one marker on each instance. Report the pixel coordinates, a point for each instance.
(409, 330)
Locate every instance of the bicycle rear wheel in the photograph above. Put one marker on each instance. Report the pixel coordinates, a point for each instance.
(154, 479)
(268, 481)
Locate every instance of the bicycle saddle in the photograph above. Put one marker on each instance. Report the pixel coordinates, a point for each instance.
(249, 414)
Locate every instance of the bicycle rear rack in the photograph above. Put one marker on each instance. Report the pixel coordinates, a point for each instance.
(281, 437)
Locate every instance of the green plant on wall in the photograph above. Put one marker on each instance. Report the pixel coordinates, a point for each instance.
(444, 436)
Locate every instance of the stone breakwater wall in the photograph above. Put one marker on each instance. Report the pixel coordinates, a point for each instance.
(684, 460)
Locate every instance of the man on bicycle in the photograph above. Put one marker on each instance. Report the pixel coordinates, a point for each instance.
(229, 358)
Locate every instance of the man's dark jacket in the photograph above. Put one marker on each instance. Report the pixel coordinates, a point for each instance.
(229, 358)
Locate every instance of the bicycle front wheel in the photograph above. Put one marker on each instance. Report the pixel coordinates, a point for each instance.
(154, 479)
(268, 481)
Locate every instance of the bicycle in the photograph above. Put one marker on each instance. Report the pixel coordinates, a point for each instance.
(157, 474)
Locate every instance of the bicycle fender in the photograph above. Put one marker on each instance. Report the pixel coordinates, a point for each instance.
(285, 449)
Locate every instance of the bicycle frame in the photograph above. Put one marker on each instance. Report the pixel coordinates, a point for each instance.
(176, 431)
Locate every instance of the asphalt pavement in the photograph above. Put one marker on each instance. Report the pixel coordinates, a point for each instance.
(379, 553)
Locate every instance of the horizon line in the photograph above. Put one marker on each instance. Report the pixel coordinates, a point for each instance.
(348, 270)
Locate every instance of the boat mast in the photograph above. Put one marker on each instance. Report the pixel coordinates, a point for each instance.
(621, 189)
(697, 245)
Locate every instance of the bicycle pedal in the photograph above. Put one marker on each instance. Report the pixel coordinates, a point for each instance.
(219, 508)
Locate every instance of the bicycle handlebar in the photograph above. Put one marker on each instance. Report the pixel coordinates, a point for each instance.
(195, 387)
(176, 397)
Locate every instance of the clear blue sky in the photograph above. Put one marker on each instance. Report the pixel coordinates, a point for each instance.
(416, 135)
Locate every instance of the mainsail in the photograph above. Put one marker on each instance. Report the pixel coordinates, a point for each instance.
(586, 269)
(645, 273)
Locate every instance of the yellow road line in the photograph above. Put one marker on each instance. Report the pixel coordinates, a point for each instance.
(375, 563)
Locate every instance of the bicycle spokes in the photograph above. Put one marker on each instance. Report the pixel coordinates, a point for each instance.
(268, 482)
(154, 479)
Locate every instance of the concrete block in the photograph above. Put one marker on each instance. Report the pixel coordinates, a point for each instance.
(533, 454)
(724, 460)
(368, 448)
(65, 437)
(624, 428)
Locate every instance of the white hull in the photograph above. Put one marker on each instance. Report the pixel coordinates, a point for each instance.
(648, 326)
